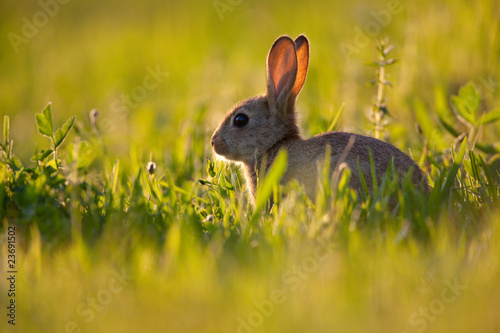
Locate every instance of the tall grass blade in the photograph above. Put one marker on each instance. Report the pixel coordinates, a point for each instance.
(6, 127)
(362, 179)
(452, 173)
(336, 118)
(491, 183)
(272, 179)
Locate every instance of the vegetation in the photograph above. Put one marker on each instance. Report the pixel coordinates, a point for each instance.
(125, 221)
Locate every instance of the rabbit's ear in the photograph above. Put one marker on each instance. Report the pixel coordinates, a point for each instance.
(302, 49)
(281, 72)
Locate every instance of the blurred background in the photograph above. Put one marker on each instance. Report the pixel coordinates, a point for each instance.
(156, 69)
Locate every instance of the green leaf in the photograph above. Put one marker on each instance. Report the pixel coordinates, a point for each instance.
(205, 182)
(51, 166)
(373, 63)
(491, 116)
(229, 185)
(272, 179)
(14, 163)
(42, 155)
(44, 122)
(466, 104)
(62, 133)
(211, 169)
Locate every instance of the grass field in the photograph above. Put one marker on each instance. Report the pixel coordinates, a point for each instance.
(95, 238)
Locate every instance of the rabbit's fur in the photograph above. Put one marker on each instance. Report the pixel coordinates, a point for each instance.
(255, 130)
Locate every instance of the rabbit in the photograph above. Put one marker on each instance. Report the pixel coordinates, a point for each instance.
(255, 130)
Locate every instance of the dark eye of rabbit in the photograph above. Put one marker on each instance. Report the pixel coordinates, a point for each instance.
(240, 120)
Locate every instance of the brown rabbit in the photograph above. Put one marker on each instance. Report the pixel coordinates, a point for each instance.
(256, 129)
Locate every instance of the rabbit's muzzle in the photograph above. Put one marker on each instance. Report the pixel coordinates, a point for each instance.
(218, 145)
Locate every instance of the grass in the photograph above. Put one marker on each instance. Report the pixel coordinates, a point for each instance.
(106, 242)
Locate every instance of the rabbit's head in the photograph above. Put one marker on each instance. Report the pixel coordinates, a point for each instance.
(256, 125)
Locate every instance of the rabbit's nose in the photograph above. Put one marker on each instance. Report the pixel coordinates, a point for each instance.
(215, 139)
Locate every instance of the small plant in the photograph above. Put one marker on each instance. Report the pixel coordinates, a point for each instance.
(379, 112)
(46, 128)
(466, 107)
(36, 196)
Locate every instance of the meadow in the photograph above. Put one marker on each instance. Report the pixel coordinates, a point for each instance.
(115, 216)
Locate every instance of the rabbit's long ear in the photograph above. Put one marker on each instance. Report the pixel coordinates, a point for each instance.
(302, 49)
(281, 73)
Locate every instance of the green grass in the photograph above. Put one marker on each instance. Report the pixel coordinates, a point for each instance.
(104, 245)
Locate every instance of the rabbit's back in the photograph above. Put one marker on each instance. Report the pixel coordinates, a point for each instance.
(306, 158)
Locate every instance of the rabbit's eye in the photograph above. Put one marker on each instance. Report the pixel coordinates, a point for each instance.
(240, 120)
